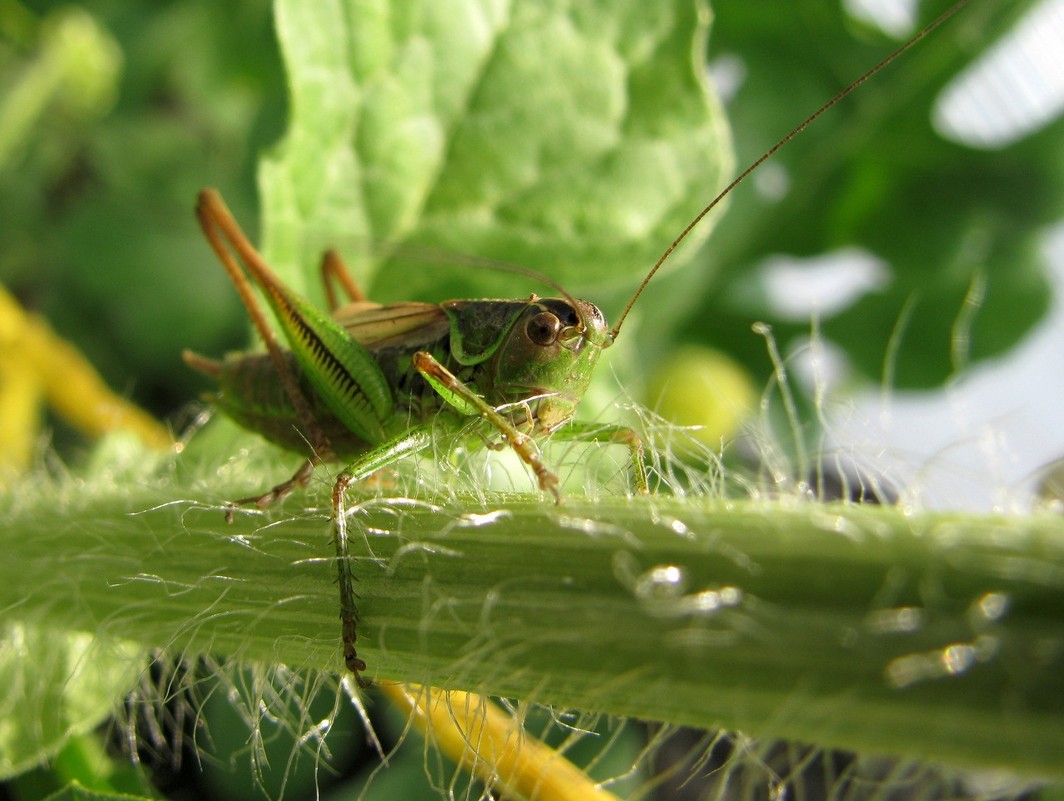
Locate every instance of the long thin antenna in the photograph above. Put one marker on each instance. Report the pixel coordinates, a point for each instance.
(772, 151)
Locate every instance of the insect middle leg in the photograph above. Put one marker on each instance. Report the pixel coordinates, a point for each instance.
(276, 493)
(416, 440)
(608, 433)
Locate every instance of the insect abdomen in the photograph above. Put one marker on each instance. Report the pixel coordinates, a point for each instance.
(250, 393)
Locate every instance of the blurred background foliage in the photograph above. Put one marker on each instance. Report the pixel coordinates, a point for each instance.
(113, 115)
(874, 176)
(112, 119)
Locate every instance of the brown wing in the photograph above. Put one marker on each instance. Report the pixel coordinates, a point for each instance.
(399, 325)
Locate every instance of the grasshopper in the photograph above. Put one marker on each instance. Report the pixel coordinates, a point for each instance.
(365, 383)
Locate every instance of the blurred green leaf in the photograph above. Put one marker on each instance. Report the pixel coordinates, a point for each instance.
(98, 229)
(55, 684)
(74, 73)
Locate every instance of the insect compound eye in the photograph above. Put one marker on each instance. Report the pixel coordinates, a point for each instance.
(543, 328)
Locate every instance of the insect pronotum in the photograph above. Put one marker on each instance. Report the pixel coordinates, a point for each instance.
(364, 382)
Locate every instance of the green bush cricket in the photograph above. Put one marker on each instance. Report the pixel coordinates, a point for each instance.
(365, 383)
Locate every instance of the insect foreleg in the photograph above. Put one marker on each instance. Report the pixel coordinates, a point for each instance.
(609, 433)
(469, 403)
(363, 467)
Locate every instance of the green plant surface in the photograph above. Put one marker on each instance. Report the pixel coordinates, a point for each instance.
(57, 684)
(936, 635)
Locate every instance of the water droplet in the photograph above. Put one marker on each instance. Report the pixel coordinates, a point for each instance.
(731, 596)
(900, 620)
(485, 519)
(713, 600)
(660, 583)
(957, 658)
(953, 660)
(993, 605)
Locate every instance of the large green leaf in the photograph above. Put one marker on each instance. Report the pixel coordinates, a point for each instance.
(575, 139)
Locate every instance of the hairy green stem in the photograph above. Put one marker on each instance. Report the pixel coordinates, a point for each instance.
(933, 635)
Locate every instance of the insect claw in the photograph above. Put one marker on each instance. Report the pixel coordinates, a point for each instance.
(351, 659)
(356, 666)
(548, 482)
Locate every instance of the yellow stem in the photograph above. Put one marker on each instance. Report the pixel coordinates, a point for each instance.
(477, 734)
(36, 365)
